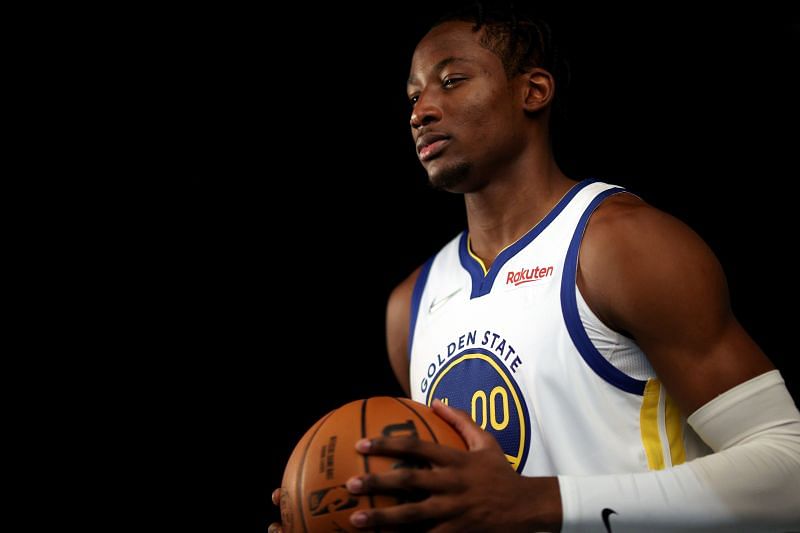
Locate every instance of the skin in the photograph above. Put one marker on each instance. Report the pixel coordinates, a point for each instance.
(640, 270)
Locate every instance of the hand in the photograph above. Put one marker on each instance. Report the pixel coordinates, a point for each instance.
(476, 490)
(275, 527)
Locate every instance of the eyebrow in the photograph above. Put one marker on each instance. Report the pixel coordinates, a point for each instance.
(441, 64)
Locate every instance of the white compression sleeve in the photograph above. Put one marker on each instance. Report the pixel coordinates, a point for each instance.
(751, 483)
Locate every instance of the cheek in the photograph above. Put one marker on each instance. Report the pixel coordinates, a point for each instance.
(486, 129)
(486, 117)
(475, 113)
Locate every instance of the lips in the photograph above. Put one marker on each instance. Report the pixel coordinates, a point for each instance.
(431, 145)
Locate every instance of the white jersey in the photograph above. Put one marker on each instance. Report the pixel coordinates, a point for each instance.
(518, 348)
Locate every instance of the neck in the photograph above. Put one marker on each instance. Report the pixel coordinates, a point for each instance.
(513, 202)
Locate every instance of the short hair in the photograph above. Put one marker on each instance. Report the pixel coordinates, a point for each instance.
(519, 38)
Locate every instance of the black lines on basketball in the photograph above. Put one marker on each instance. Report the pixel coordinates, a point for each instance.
(316, 499)
(364, 436)
(300, 478)
(405, 403)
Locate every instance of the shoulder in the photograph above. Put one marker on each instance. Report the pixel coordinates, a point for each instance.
(400, 297)
(629, 217)
(398, 322)
(625, 227)
(635, 256)
(648, 275)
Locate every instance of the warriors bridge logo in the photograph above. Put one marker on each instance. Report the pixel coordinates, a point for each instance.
(480, 381)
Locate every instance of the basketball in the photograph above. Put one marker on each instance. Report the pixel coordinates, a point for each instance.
(314, 498)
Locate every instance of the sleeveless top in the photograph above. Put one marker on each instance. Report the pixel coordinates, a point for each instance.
(518, 348)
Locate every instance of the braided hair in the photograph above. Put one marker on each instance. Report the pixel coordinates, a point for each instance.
(520, 39)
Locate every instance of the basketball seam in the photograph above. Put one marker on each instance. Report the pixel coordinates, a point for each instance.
(404, 404)
(301, 478)
(366, 457)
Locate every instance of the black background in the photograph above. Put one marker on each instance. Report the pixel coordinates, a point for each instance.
(306, 204)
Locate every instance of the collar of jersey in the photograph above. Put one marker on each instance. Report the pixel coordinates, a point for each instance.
(482, 278)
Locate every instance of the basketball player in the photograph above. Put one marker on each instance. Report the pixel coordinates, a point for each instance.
(555, 336)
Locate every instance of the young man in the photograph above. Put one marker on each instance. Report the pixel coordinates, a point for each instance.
(557, 327)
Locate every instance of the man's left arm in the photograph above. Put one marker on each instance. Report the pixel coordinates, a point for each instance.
(645, 273)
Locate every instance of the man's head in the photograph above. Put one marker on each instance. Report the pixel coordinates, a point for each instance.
(481, 86)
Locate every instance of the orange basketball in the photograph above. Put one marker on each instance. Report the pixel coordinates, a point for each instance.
(313, 494)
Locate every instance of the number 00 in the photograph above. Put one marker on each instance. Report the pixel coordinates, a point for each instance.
(480, 396)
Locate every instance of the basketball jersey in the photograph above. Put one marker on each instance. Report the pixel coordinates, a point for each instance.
(518, 348)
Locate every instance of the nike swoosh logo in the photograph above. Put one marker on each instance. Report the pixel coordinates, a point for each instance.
(606, 513)
(435, 305)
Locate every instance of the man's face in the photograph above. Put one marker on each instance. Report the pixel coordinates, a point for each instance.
(466, 118)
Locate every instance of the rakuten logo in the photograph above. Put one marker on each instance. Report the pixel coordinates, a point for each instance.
(525, 275)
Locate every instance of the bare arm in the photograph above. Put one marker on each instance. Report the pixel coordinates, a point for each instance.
(645, 273)
(397, 323)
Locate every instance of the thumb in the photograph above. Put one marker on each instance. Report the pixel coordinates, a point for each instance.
(473, 435)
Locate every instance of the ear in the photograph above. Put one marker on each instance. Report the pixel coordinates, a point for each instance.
(540, 89)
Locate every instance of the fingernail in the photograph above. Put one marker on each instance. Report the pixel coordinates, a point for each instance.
(354, 484)
(359, 519)
(363, 445)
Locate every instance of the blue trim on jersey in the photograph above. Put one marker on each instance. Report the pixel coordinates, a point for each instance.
(416, 296)
(569, 308)
(482, 285)
(471, 266)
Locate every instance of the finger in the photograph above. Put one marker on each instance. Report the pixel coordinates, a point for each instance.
(473, 435)
(409, 447)
(404, 479)
(410, 513)
(276, 497)
(275, 528)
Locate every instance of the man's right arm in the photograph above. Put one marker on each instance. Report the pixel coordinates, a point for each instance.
(398, 318)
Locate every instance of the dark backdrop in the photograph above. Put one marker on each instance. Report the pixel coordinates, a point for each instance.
(311, 204)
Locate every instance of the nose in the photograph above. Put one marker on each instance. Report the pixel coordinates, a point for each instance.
(425, 111)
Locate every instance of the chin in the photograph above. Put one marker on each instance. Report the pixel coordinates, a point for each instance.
(450, 178)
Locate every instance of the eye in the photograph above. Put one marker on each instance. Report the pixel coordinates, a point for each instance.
(449, 83)
(413, 100)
